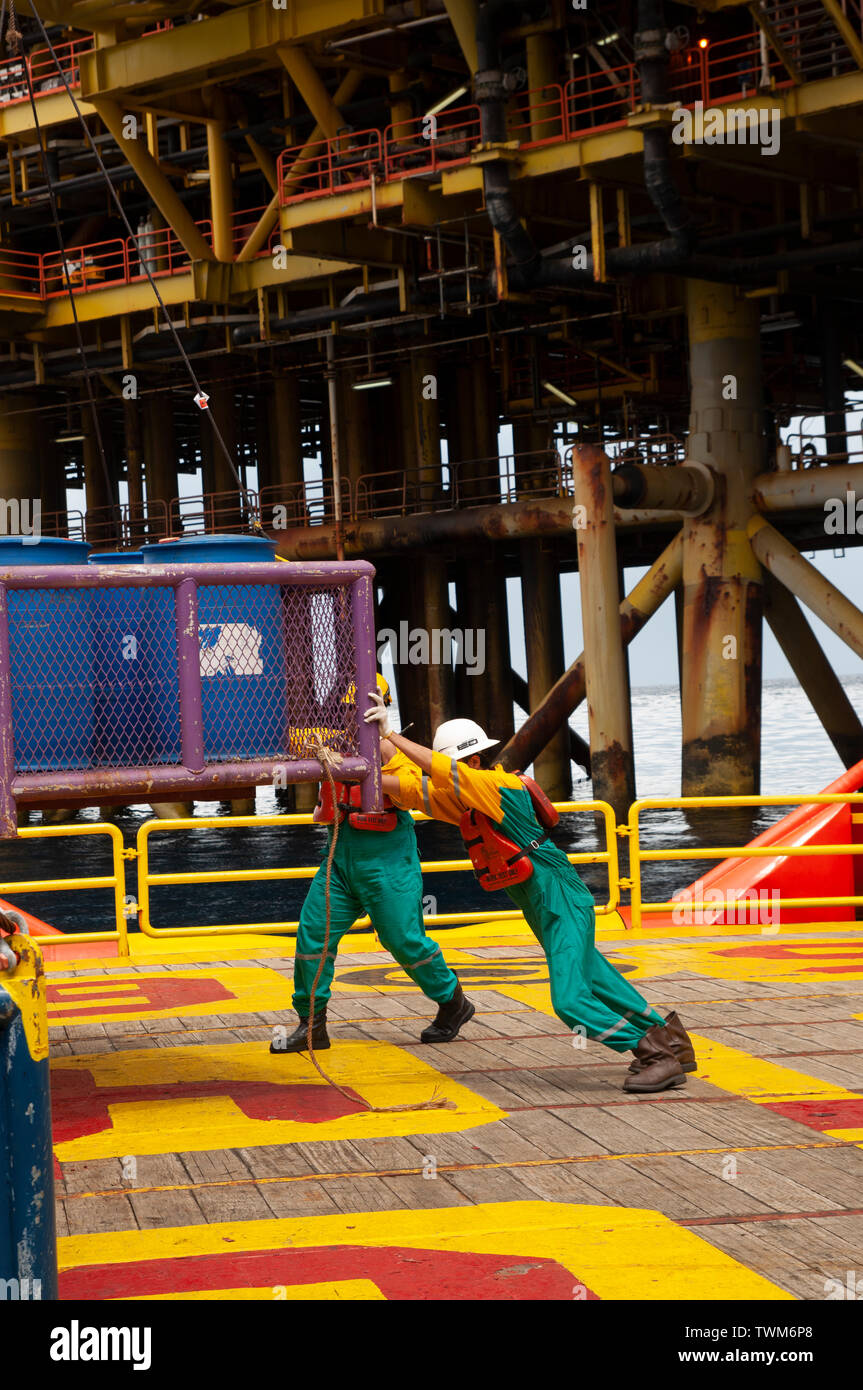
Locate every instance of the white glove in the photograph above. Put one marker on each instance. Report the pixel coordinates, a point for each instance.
(378, 714)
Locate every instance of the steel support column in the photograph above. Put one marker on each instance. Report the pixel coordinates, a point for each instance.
(610, 714)
(721, 577)
(543, 636)
(568, 692)
(788, 566)
(807, 660)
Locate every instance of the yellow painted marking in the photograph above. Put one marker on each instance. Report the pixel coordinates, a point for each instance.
(347, 1290)
(253, 989)
(377, 1071)
(618, 1253)
(760, 1080)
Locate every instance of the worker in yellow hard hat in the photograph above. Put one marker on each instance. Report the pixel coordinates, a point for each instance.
(375, 870)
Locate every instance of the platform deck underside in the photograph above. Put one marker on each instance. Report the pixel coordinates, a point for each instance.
(192, 1164)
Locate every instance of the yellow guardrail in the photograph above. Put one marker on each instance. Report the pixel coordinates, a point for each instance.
(116, 881)
(148, 880)
(638, 856)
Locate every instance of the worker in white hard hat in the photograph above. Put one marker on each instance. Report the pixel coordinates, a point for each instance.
(376, 870)
(502, 817)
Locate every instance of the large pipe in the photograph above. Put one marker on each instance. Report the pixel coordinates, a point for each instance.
(392, 534)
(567, 694)
(490, 95)
(806, 658)
(651, 56)
(809, 488)
(687, 488)
(788, 566)
(609, 710)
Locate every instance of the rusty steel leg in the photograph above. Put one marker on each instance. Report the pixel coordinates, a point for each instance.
(567, 693)
(721, 577)
(609, 710)
(807, 660)
(483, 617)
(788, 566)
(543, 636)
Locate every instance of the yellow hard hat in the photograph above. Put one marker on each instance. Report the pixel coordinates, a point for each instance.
(383, 687)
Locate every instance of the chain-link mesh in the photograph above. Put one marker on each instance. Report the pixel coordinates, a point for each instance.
(95, 683)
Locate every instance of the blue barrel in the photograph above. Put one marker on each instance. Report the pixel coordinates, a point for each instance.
(136, 706)
(50, 650)
(243, 675)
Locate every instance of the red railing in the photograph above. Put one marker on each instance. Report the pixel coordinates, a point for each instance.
(21, 274)
(84, 267)
(339, 165)
(602, 99)
(426, 144)
(42, 67)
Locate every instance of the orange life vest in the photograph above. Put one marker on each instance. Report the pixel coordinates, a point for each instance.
(499, 862)
(543, 809)
(349, 803)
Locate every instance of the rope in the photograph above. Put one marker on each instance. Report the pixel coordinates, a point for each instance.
(329, 759)
(244, 491)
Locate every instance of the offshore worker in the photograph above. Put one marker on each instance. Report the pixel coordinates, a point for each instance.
(504, 820)
(376, 870)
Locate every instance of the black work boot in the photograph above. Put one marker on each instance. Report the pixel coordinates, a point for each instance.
(298, 1041)
(450, 1018)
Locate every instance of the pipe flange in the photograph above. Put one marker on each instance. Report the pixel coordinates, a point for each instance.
(650, 43)
(710, 478)
(488, 86)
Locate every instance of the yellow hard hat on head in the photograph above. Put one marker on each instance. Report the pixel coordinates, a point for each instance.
(383, 687)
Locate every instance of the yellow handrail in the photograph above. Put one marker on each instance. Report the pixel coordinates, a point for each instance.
(117, 881)
(638, 856)
(148, 880)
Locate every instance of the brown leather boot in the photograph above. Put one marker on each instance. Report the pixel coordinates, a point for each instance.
(681, 1045)
(658, 1067)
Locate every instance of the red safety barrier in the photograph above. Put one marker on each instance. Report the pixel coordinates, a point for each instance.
(21, 274)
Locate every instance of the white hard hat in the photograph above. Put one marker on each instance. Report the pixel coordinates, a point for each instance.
(461, 738)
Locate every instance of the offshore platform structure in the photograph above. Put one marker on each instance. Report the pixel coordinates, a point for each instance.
(381, 233)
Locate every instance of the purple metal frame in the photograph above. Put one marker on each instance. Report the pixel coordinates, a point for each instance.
(194, 776)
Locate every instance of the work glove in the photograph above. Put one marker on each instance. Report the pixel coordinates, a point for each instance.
(378, 714)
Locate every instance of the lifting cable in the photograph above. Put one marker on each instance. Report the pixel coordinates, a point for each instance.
(15, 49)
(201, 397)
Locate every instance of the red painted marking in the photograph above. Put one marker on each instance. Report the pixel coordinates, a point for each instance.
(146, 996)
(80, 1107)
(822, 1114)
(851, 957)
(399, 1272)
(801, 951)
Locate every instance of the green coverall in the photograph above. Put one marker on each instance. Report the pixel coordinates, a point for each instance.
(586, 990)
(374, 872)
